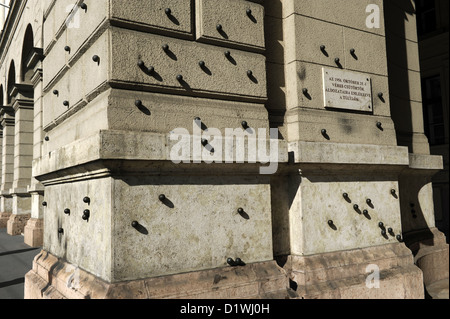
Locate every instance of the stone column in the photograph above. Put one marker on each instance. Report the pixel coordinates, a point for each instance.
(428, 244)
(7, 122)
(333, 211)
(23, 154)
(34, 230)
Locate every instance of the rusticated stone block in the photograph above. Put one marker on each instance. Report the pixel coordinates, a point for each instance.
(345, 275)
(4, 217)
(54, 278)
(34, 232)
(16, 224)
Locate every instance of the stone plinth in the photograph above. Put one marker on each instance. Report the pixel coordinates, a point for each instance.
(52, 278)
(4, 217)
(34, 232)
(430, 252)
(348, 274)
(16, 224)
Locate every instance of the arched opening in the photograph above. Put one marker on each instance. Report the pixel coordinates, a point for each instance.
(11, 81)
(2, 97)
(27, 54)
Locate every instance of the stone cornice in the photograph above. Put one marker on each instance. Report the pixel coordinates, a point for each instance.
(7, 121)
(34, 57)
(37, 77)
(21, 89)
(24, 103)
(6, 110)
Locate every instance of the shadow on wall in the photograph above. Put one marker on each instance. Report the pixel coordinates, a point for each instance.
(398, 14)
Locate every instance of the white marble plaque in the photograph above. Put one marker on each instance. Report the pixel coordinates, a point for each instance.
(347, 90)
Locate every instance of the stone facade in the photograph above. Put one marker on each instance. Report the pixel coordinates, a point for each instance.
(97, 95)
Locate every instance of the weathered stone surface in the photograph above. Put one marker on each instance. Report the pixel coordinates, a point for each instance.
(16, 224)
(34, 232)
(238, 28)
(4, 217)
(258, 280)
(343, 275)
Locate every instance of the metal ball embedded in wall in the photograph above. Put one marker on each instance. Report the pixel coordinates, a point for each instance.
(379, 125)
(239, 262)
(86, 214)
(231, 262)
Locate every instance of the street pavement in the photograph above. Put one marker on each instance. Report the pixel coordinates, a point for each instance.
(16, 260)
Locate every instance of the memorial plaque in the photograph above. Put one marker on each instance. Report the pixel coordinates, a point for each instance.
(347, 90)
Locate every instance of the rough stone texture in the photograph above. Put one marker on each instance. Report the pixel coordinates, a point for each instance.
(126, 253)
(55, 279)
(431, 253)
(342, 275)
(4, 217)
(34, 232)
(238, 28)
(16, 224)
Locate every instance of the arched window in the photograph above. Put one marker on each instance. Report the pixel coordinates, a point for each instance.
(11, 80)
(2, 97)
(27, 51)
